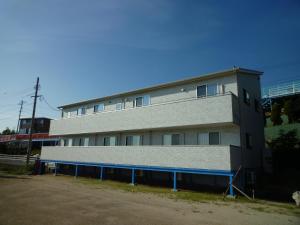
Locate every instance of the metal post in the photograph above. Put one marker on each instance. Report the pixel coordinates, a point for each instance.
(76, 171)
(132, 177)
(101, 173)
(174, 182)
(230, 186)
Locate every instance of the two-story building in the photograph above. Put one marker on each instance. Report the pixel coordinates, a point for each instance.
(209, 125)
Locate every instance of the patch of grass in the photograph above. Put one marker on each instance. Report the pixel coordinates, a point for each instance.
(164, 192)
(15, 170)
(191, 196)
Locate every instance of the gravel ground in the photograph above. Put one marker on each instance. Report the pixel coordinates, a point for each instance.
(49, 200)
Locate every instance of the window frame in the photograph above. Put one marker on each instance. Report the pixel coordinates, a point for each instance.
(219, 137)
(80, 110)
(86, 141)
(206, 89)
(122, 106)
(83, 110)
(132, 136)
(109, 139)
(143, 100)
(98, 107)
(217, 89)
(135, 101)
(171, 134)
(70, 142)
(208, 137)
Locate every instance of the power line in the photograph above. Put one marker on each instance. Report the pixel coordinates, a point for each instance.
(18, 92)
(50, 106)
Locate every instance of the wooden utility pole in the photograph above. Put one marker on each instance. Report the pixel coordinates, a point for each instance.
(32, 121)
(20, 112)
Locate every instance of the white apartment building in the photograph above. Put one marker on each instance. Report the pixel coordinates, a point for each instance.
(210, 125)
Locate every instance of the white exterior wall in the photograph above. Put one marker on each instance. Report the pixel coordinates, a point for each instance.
(203, 111)
(192, 157)
(162, 95)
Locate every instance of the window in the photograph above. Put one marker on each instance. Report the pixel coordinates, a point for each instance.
(142, 101)
(110, 141)
(256, 105)
(139, 102)
(86, 141)
(64, 142)
(146, 100)
(99, 108)
(171, 139)
(212, 89)
(96, 108)
(214, 138)
(203, 139)
(22, 131)
(246, 97)
(81, 111)
(70, 142)
(207, 90)
(41, 121)
(69, 114)
(209, 138)
(201, 91)
(120, 106)
(248, 141)
(80, 142)
(134, 140)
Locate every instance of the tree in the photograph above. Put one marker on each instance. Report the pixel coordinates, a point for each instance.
(8, 131)
(285, 151)
(296, 108)
(276, 114)
(288, 110)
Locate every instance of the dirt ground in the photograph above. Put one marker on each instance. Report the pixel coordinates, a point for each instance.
(49, 200)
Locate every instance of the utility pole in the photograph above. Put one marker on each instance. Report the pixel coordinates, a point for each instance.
(20, 112)
(32, 121)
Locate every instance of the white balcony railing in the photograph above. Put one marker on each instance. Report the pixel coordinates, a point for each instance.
(191, 157)
(191, 112)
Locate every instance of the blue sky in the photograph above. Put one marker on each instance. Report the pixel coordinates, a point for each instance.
(86, 49)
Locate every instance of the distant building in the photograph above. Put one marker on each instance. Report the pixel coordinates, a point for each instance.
(40, 135)
(41, 125)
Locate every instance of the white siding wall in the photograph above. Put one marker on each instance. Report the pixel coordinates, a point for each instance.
(193, 157)
(204, 111)
(163, 95)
